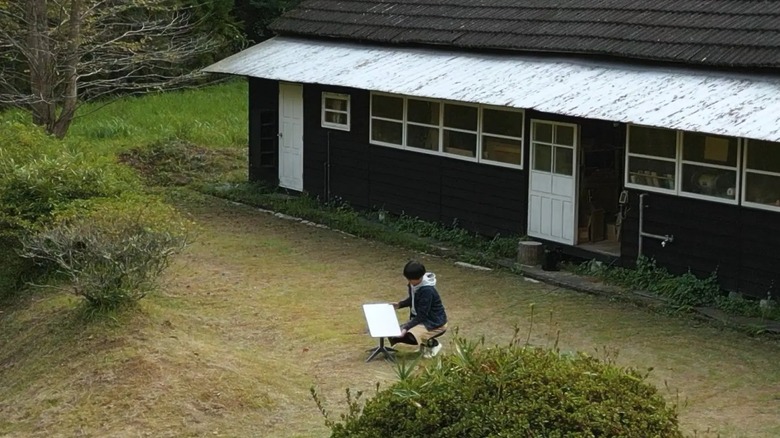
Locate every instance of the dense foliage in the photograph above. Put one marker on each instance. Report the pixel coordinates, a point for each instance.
(69, 210)
(39, 177)
(513, 391)
(685, 290)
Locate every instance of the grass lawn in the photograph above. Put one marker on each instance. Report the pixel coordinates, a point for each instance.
(259, 309)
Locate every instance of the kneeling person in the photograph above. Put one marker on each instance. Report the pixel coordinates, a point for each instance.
(427, 318)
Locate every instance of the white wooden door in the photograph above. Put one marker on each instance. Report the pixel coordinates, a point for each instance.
(552, 209)
(291, 136)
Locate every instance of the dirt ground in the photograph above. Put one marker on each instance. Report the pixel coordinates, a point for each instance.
(260, 309)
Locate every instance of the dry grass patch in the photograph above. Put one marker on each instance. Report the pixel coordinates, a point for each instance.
(259, 309)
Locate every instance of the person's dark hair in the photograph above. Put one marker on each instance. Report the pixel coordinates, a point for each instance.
(414, 270)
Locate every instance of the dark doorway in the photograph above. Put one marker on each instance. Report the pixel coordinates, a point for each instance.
(602, 158)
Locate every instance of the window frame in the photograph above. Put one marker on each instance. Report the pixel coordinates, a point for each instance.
(681, 161)
(482, 133)
(743, 174)
(553, 144)
(438, 127)
(324, 110)
(627, 175)
(372, 117)
(477, 132)
(441, 128)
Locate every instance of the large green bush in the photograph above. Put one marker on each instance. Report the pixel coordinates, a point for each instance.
(39, 177)
(513, 391)
(111, 251)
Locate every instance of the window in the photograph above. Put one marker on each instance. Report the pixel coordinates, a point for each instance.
(762, 174)
(652, 158)
(335, 111)
(502, 136)
(466, 131)
(709, 166)
(387, 119)
(460, 130)
(696, 165)
(422, 130)
(553, 147)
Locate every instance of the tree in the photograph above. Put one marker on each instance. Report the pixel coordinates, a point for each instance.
(258, 15)
(57, 54)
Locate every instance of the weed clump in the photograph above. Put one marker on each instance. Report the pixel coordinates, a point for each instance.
(177, 162)
(511, 391)
(111, 251)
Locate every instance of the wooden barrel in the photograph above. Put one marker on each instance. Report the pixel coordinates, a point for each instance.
(529, 252)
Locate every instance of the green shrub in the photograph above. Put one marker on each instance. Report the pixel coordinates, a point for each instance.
(40, 175)
(685, 290)
(111, 251)
(512, 391)
(15, 271)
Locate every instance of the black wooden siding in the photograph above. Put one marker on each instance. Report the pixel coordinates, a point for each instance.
(742, 244)
(479, 197)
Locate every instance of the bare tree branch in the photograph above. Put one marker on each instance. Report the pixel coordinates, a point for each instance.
(57, 54)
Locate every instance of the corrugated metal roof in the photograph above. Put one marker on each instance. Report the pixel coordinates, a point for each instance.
(691, 100)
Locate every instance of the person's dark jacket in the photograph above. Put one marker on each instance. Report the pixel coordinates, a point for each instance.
(425, 304)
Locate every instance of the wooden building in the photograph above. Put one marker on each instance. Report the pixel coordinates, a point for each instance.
(552, 119)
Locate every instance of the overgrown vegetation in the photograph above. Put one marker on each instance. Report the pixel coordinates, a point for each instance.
(40, 177)
(683, 291)
(177, 162)
(515, 390)
(111, 250)
(67, 209)
(379, 225)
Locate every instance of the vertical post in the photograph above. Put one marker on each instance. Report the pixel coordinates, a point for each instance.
(641, 222)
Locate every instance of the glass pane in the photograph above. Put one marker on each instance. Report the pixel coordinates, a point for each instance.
(542, 157)
(509, 123)
(709, 181)
(763, 155)
(564, 135)
(336, 104)
(710, 149)
(652, 141)
(387, 106)
(422, 137)
(460, 143)
(762, 189)
(422, 111)
(652, 173)
(388, 132)
(502, 149)
(543, 132)
(564, 161)
(460, 116)
(337, 118)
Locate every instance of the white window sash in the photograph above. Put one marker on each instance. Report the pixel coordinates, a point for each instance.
(325, 110)
(746, 170)
(441, 128)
